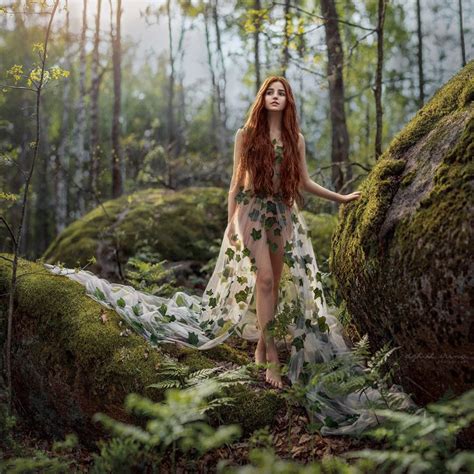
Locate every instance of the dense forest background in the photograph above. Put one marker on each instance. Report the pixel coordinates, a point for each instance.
(155, 91)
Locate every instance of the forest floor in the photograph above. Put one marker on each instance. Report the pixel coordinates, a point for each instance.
(291, 441)
(290, 438)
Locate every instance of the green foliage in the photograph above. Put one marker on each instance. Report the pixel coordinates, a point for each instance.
(179, 376)
(178, 422)
(423, 442)
(38, 463)
(153, 278)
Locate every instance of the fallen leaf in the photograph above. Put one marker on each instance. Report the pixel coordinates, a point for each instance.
(103, 317)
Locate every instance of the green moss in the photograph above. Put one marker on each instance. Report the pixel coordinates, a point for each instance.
(444, 211)
(408, 179)
(71, 358)
(177, 225)
(405, 279)
(260, 407)
(355, 240)
(454, 95)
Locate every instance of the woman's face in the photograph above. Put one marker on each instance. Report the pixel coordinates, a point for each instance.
(275, 97)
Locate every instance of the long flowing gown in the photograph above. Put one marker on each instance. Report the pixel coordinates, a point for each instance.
(260, 225)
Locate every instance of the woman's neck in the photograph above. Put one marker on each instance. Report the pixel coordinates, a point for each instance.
(274, 125)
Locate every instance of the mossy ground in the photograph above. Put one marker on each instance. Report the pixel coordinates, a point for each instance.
(70, 359)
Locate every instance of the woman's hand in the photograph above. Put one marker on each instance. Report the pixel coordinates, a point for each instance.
(231, 231)
(345, 198)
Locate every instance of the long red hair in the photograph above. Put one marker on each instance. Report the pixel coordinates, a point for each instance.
(258, 152)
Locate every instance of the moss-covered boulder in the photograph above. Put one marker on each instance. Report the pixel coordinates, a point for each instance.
(174, 225)
(402, 254)
(72, 358)
(321, 227)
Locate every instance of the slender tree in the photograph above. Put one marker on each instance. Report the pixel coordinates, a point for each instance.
(339, 133)
(210, 62)
(80, 122)
(286, 39)
(382, 5)
(17, 238)
(421, 79)
(115, 31)
(94, 110)
(62, 155)
(221, 83)
(461, 34)
(258, 7)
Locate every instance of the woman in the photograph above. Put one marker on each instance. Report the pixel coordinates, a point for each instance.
(266, 264)
(266, 281)
(269, 161)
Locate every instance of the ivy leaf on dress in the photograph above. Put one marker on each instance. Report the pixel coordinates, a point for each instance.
(317, 293)
(256, 234)
(121, 303)
(98, 293)
(193, 338)
(298, 343)
(254, 214)
(241, 296)
(271, 207)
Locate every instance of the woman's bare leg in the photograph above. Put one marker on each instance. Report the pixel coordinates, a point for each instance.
(273, 372)
(268, 279)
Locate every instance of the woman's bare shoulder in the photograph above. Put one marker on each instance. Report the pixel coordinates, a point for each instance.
(300, 140)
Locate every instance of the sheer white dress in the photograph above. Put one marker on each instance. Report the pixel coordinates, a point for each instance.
(260, 225)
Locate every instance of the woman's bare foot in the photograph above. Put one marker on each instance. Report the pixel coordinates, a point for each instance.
(272, 375)
(260, 353)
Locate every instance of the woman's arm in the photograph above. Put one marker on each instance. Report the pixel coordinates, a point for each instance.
(307, 184)
(234, 185)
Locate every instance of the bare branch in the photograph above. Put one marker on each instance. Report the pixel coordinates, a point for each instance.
(9, 230)
(314, 15)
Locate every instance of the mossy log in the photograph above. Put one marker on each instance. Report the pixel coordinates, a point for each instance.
(69, 359)
(402, 254)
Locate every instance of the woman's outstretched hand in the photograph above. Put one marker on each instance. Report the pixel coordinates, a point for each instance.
(350, 197)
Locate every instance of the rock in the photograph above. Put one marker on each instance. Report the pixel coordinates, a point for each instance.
(70, 361)
(174, 225)
(402, 254)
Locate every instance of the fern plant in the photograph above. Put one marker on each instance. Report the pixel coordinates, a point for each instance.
(149, 277)
(179, 422)
(181, 376)
(423, 442)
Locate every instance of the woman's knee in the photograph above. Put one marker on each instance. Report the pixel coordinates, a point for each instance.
(265, 280)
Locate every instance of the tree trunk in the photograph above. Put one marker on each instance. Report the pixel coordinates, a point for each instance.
(221, 87)
(286, 39)
(79, 132)
(117, 179)
(378, 79)
(257, 48)
(171, 122)
(61, 165)
(421, 92)
(95, 87)
(340, 135)
(212, 134)
(461, 33)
